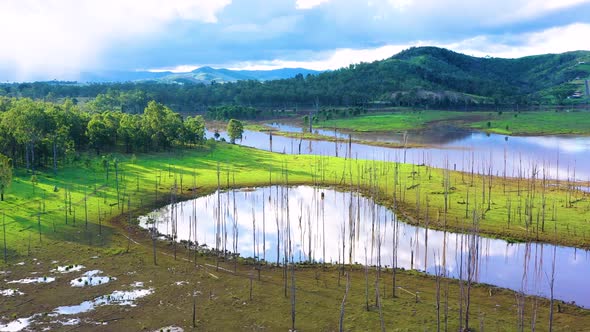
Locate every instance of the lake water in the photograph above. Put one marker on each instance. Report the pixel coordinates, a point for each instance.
(453, 148)
(318, 223)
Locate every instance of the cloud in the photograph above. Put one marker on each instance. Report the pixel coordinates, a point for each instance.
(59, 38)
(553, 40)
(309, 4)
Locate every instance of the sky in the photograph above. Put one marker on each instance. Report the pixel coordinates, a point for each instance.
(59, 39)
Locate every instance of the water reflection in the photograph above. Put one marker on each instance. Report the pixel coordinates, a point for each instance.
(441, 134)
(326, 225)
(560, 157)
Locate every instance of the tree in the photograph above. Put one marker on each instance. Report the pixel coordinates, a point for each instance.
(195, 129)
(100, 132)
(5, 174)
(160, 125)
(130, 131)
(235, 129)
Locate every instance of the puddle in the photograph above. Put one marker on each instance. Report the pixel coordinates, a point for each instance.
(171, 328)
(69, 322)
(180, 283)
(10, 292)
(125, 298)
(91, 278)
(68, 268)
(40, 280)
(18, 324)
(137, 284)
(20, 264)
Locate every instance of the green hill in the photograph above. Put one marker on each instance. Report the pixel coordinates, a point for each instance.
(419, 76)
(434, 73)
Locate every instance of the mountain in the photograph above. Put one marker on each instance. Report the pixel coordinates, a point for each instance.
(420, 76)
(432, 73)
(200, 75)
(207, 75)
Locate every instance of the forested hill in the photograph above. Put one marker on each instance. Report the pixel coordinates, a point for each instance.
(422, 76)
(441, 69)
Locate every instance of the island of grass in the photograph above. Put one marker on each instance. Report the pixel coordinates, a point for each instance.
(502, 122)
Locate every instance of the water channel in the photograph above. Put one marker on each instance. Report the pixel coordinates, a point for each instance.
(563, 157)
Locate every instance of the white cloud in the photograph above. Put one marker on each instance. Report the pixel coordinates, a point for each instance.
(530, 9)
(554, 40)
(59, 38)
(308, 4)
(327, 60)
(44, 38)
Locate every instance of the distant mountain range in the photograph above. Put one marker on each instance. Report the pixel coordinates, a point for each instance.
(204, 75)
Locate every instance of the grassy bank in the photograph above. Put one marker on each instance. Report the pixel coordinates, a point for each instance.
(55, 207)
(536, 123)
(512, 123)
(398, 121)
(223, 296)
(318, 137)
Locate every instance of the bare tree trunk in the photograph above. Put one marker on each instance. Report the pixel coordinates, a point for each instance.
(341, 324)
(194, 309)
(4, 231)
(55, 155)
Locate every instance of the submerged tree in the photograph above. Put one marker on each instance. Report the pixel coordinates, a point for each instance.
(5, 174)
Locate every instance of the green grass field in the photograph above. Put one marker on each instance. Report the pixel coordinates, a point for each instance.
(398, 121)
(223, 301)
(537, 123)
(251, 167)
(512, 123)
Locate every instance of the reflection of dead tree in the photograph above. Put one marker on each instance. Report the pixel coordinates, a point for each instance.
(551, 285)
(394, 254)
(438, 276)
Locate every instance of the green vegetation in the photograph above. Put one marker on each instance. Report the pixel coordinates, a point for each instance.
(511, 123)
(5, 174)
(235, 129)
(536, 123)
(41, 224)
(232, 112)
(33, 132)
(397, 121)
(427, 77)
(565, 210)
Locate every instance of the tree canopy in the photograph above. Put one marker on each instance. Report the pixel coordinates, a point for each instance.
(33, 132)
(235, 129)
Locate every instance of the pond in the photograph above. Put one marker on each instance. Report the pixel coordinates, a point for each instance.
(449, 147)
(332, 226)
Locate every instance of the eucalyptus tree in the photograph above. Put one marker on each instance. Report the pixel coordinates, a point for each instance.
(235, 130)
(5, 174)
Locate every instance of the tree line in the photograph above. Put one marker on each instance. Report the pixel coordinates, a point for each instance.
(418, 77)
(42, 134)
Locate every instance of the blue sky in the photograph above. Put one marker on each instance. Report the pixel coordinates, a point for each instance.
(58, 39)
